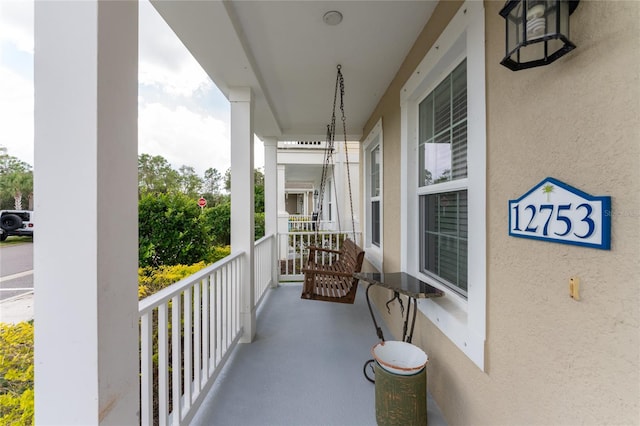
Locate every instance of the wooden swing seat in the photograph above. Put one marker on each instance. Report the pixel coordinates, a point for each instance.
(332, 280)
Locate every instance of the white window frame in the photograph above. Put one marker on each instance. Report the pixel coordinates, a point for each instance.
(373, 253)
(462, 320)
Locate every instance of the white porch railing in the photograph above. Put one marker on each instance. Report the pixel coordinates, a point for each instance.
(263, 260)
(187, 332)
(294, 252)
(306, 223)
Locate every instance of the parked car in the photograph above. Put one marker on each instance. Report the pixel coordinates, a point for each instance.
(16, 222)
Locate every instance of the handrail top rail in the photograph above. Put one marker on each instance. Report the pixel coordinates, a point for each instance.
(167, 293)
(263, 239)
(321, 233)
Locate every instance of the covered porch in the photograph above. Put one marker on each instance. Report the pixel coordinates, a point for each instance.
(303, 368)
(506, 344)
(86, 109)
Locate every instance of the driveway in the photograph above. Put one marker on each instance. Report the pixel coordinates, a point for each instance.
(16, 282)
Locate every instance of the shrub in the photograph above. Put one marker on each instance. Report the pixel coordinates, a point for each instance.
(218, 220)
(171, 231)
(218, 253)
(151, 280)
(16, 374)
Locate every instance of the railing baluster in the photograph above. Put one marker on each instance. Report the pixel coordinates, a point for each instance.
(231, 303)
(203, 375)
(218, 318)
(187, 350)
(163, 366)
(226, 314)
(197, 341)
(235, 300)
(176, 362)
(238, 287)
(146, 368)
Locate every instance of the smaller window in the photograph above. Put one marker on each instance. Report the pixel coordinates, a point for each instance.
(373, 220)
(375, 196)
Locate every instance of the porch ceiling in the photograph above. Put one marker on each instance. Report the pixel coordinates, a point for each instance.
(286, 53)
(303, 173)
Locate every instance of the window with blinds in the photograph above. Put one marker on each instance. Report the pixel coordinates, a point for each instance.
(443, 238)
(443, 130)
(375, 196)
(443, 158)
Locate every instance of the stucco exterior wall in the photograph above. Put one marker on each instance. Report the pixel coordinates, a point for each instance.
(549, 359)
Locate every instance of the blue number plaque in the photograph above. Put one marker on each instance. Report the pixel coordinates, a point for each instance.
(556, 212)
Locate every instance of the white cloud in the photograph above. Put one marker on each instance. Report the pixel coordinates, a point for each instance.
(16, 90)
(178, 123)
(164, 61)
(183, 137)
(16, 114)
(16, 23)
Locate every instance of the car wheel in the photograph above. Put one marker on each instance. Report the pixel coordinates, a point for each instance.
(10, 222)
(3, 236)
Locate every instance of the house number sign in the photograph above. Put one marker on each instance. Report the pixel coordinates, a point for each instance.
(556, 212)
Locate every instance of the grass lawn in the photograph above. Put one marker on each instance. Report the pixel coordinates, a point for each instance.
(12, 240)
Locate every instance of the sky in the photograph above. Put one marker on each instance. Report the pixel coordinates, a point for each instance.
(181, 114)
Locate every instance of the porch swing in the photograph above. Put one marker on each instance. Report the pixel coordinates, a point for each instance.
(328, 274)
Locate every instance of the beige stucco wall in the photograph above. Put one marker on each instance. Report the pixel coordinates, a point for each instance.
(549, 359)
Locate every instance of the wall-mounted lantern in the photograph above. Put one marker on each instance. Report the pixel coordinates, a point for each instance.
(315, 195)
(537, 32)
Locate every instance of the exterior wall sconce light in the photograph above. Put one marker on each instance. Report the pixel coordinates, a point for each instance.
(315, 194)
(537, 32)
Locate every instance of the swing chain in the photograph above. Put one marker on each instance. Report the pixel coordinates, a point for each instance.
(346, 150)
(331, 132)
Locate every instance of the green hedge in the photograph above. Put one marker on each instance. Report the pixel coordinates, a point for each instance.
(16, 374)
(16, 343)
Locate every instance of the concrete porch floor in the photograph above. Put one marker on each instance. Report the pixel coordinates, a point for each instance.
(304, 367)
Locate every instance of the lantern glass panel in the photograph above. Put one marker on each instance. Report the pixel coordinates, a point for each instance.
(539, 51)
(564, 19)
(539, 18)
(514, 28)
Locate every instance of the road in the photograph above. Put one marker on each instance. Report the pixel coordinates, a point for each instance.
(16, 270)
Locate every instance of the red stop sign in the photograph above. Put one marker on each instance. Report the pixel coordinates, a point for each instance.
(202, 202)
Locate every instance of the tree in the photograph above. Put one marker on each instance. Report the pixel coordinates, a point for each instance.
(9, 164)
(258, 188)
(190, 182)
(156, 176)
(17, 184)
(16, 179)
(227, 180)
(212, 181)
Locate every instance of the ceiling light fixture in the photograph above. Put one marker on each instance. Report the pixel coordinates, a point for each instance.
(332, 17)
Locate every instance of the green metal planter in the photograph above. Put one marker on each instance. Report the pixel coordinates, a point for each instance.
(400, 399)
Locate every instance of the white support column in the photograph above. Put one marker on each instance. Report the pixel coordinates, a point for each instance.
(242, 206)
(282, 208)
(283, 216)
(270, 185)
(305, 203)
(271, 201)
(86, 256)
